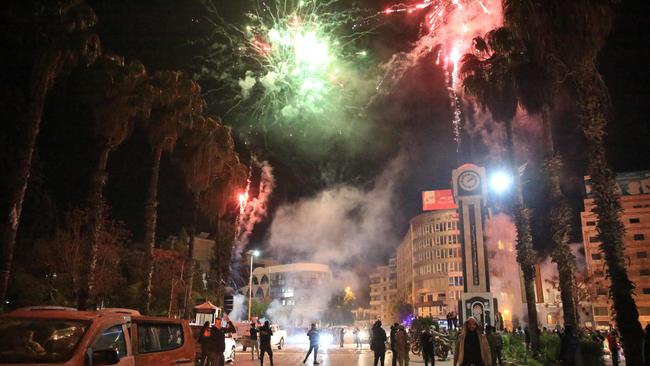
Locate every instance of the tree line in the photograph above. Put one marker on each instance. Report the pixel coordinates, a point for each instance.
(546, 48)
(47, 41)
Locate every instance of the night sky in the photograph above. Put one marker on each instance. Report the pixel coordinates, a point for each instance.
(414, 117)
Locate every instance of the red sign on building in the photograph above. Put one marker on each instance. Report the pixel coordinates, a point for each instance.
(438, 200)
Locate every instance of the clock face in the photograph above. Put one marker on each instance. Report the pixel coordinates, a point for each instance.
(469, 180)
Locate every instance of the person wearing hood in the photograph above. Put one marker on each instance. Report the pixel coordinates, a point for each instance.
(378, 343)
(472, 347)
(402, 346)
(265, 334)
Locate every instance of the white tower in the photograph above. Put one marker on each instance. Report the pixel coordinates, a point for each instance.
(470, 192)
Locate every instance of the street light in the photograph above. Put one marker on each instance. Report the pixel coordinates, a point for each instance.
(501, 181)
(252, 253)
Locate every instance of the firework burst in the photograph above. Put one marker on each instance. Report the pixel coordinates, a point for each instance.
(289, 64)
(448, 29)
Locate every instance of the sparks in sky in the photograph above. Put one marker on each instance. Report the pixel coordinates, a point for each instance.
(450, 27)
(290, 63)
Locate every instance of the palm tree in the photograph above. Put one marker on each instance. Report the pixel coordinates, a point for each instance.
(58, 38)
(570, 36)
(197, 157)
(116, 93)
(535, 93)
(176, 103)
(488, 75)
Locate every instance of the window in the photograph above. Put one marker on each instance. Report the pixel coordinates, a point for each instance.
(639, 237)
(156, 337)
(596, 256)
(112, 338)
(646, 291)
(593, 239)
(601, 291)
(642, 254)
(591, 223)
(644, 310)
(634, 220)
(598, 273)
(645, 272)
(601, 311)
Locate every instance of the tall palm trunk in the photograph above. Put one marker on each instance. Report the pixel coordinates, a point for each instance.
(150, 218)
(190, 258)
(525, 253)
(592, 94)
(44, 72)
(560, 217)
(95, 219)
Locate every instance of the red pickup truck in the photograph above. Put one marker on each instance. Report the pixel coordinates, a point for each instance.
(67, 337)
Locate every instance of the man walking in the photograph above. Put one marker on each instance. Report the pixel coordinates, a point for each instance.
(378, 343)
(265, 334)
(255, 347)
(428, 347)
(472, 348)
(314, 342)
(341, 337)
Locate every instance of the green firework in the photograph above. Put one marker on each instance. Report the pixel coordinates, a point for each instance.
(292, 66)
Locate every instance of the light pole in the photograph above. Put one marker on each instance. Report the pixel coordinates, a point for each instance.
(252, 253)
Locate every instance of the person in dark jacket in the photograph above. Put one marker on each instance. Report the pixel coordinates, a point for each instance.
(204, 337)
(314, 343)
(568, 347)
(378, 343)
(646, 346)
(216, 342)
(427, 344)
(265, 334)
(255, 347)
(393, 343)
(341, 335)
(612, 342)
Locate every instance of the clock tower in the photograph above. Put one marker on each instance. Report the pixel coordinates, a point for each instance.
(470, 192)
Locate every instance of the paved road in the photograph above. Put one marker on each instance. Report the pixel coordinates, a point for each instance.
(333, 356)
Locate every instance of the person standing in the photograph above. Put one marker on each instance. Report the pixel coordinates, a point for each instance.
(646, 346)
(357, 338)
(393, 342)
(527, 338)
(216, 343)
(341, 335)
(472, 348)
(204, 340)
(378, 343)
(428, 347)
(496, 344)
(255, 347)
(265, 334)
(612, 342)
(314, 342)
(402, 346)
(568, 347)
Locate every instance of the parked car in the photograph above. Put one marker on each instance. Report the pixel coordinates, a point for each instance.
(67, 337)
(229, 351)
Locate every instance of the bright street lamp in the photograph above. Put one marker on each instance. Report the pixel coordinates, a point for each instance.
(252, 253)
(500, 182)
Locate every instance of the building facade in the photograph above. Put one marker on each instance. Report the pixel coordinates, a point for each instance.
(290, 283)
(429, 264)
(635, 200)
(383, 292)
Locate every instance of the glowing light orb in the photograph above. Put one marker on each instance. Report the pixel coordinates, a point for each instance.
(501, 182)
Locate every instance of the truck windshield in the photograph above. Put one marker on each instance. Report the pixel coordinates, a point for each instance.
(33, 340)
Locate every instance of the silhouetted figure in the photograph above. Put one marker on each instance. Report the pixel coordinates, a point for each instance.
(568, 347)
(428, 347)
(314, 342)
(265, 334)
(378, 343)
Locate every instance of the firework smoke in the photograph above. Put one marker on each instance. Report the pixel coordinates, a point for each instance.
(254, 210)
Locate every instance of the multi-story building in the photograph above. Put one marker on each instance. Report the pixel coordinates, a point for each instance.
(635, 200)
(429, 267)
(290, 283)
(383, 291)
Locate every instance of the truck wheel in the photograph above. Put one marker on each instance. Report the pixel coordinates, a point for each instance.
(232, 354)
(281, 344)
